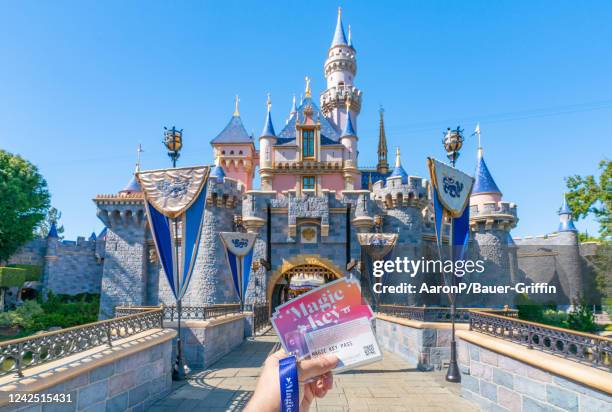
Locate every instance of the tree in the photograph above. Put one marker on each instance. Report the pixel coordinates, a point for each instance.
(53, 216)
(24, 201)
(588, 195)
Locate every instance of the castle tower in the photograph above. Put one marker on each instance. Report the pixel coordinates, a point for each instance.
(348, 139)
(124, 276)
(491, 220)
(340, 69)
(266, 153)
(382, 166)
(401, 201)
(236, 150)
(569, 261)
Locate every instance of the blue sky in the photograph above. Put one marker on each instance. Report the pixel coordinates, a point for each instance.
(83, 83)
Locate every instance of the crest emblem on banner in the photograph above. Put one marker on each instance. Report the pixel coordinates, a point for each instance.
(239, 254)
(452, 186)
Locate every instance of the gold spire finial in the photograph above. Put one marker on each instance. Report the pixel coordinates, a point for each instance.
(348, 102)
(339, 11)
(269, 102)
(398, 162)
(236, 111)
(307, 92)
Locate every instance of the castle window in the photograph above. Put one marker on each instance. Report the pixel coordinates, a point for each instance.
(231, 152)
(308, 182)
(240, 152)
(307, 143)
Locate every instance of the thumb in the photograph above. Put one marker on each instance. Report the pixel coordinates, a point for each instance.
(316, 367)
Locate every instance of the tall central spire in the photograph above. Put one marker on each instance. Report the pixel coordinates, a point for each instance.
(382, 167)
(339, 37)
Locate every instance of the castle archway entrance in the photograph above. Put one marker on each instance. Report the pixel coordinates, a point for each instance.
(299, 275)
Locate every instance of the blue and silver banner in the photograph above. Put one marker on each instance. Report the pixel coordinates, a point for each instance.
(451, 189)
(175, 201)
(239, 253)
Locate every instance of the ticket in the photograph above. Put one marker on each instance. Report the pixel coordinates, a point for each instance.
(331, 304)
(354, 343)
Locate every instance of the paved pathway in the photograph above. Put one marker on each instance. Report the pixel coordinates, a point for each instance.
(389, 385)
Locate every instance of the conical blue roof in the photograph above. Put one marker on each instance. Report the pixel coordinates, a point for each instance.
(339, 37)
(565, 210)
(234, 132)
(268, 129)
(484, 181)
(398, 170)
(132, 185)
(53, 231)
(218, 173)
(567, 226)
(348, 127)
(92, 236)
(567, 223)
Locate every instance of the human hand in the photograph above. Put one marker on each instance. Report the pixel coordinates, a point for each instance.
(266, 397)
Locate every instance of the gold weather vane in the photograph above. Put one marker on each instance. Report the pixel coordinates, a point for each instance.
(307, 86)
(236, 100)
(269, 102)
(398, 162)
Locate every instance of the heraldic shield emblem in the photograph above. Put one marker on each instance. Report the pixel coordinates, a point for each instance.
(452, 186)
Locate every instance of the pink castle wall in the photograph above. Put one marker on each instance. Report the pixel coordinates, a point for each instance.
(332, 182)
(283, 182)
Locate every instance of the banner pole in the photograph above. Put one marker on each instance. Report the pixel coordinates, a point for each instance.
(179, 374)
(452, 374)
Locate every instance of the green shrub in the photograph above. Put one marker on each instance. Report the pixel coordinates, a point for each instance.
(582, 317)
(12, 277)
(24, 316)
(33, 273)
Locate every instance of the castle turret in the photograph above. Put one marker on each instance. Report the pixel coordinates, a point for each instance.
(124, 280)
(348, 138)
(236, 150)
(566, 223)
(340, 69)
(491, 220)
(266, 141)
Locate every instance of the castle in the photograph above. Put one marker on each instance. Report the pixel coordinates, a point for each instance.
(313, 201)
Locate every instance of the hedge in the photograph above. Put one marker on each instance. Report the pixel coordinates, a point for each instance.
(12, 277)
(33, 272)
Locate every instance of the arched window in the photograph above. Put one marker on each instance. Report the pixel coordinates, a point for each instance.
(231, 152)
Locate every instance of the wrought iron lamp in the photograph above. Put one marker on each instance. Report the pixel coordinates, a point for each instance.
(173, 140)
(453, 141)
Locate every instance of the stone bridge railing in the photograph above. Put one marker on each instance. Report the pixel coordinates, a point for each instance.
(117, 364)
(438, 314)
(577, 346)
(19, 354)
(170, 313)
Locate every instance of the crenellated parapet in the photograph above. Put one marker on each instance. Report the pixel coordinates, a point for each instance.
(121, 211)
(255, 208)
(306, 205)
(493, 215)
(363, 208)
(336, 97)
(224, 193)
(399, 193)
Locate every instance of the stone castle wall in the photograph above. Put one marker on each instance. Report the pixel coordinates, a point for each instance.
(73, 267)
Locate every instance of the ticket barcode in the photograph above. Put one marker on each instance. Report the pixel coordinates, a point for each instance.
(369, 350)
